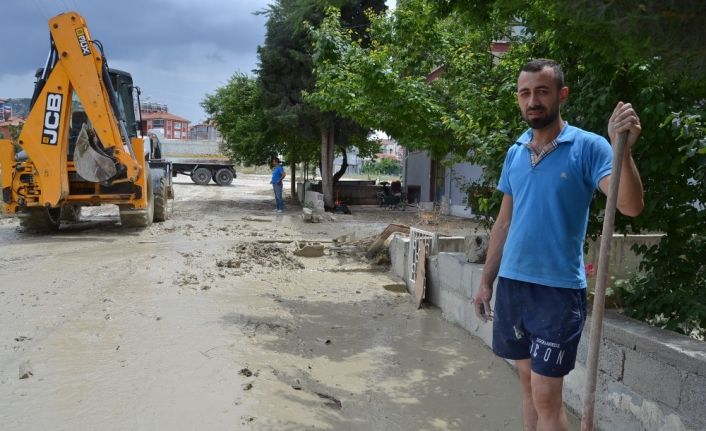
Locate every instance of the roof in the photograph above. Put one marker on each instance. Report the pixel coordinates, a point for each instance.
(163, 116)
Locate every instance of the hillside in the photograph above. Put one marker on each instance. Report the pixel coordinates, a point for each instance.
(20, 107)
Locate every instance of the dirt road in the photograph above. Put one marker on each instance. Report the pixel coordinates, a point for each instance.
(203, 323)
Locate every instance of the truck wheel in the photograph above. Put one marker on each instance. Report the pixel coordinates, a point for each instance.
(201, 176)
(70, 213)
(40, 220)
(131, 217)
(161, 202)
(223, 177)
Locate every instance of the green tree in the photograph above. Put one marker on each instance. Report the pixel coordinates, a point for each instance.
(382, 167)
(285, 72)
(237, 110)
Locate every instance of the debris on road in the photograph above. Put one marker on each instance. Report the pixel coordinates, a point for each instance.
(309, 216)
(332, 401)
(264, 220)
(26, 370)
(308, 249)
(380, 241)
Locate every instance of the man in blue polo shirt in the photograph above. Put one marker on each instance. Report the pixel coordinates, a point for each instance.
(536, 244)
(278, 175)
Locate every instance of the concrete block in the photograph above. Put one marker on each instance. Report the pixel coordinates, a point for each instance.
(467, 280)
(611, 359)
(679, 350)
(450, 303)
(620, 408)
(693, 400)
(398, 257)
(314, 200)
(475, 272)
(639, 366)
(451, 270)
(582, 351)
(451, 244)
(309, 216)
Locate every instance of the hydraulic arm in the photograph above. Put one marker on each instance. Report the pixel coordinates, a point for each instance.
(79, 140)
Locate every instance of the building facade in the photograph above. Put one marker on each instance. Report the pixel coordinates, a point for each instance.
(158, 119)
(204, 132)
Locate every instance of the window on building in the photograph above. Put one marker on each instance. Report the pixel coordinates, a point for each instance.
(177, 125)
(158, 123)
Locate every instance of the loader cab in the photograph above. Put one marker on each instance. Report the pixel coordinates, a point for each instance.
(127, 99)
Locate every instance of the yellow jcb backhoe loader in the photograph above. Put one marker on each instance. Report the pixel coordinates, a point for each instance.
(80, 144)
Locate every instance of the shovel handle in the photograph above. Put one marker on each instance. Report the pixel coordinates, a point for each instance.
(589, 397)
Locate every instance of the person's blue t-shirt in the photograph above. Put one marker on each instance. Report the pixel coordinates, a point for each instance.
(550, 204)
(277, 174)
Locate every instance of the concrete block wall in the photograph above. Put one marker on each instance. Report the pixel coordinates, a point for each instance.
(649, 379)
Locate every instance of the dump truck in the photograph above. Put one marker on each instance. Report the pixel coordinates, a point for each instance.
(80, 144)
(202, 160)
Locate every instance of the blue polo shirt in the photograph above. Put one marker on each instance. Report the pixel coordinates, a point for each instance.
(277, 174)
(550, 205)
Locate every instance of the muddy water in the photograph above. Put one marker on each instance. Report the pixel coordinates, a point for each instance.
(203, 322)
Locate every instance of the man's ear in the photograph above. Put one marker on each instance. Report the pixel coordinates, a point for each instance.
(563, 94)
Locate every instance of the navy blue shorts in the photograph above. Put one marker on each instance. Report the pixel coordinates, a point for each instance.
(540, 323)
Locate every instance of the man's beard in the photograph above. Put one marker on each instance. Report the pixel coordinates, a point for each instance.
(542, 122)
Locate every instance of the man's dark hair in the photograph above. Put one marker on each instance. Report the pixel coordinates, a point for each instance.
(539, 64)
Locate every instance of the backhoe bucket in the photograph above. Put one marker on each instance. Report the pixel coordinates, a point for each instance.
(90, 164)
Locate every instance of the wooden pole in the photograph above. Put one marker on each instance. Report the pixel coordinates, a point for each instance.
(594, 345)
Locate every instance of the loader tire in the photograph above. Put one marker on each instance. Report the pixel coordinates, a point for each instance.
(201, 176)
(223, 177)
(40, 220)
(130, 217)
(70, 213)
(161, 202)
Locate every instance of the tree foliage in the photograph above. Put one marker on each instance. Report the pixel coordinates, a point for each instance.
(286, 72)
(382, 167)
(237, 111)
(471, 113)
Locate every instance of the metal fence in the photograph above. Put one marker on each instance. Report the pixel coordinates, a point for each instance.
(431, 245)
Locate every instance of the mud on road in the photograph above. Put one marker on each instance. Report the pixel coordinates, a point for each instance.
(208, 321)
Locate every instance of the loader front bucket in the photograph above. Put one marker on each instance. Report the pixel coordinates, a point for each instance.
(91, 164)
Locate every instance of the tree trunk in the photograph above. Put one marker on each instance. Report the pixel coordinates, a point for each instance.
(344, 167)
(327, 138)
(293, 180)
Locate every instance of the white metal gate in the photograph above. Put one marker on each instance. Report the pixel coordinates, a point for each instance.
(431, 245)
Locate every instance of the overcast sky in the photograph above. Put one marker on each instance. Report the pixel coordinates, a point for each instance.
(176, 50)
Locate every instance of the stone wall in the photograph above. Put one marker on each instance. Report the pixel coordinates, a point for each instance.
(649, 379)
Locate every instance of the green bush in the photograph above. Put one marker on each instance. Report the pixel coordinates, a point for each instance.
(382, 167)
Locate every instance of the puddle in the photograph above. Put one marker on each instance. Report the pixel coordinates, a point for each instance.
(396, 287)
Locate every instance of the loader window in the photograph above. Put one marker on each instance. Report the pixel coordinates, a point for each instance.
(123, 90)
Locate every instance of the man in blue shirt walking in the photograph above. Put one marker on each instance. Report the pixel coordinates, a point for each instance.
(536, 244)
(278, 175)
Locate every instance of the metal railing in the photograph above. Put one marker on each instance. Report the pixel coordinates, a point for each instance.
(431, 245)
